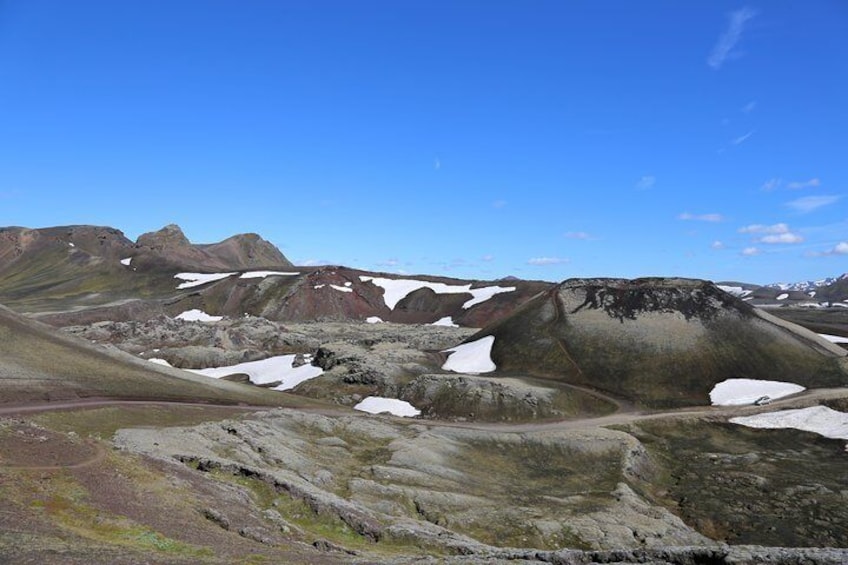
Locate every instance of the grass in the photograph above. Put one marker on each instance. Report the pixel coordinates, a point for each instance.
(750, 486)
(103, 422)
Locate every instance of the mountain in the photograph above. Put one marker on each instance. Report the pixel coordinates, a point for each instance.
(658, 342)
(78, 267)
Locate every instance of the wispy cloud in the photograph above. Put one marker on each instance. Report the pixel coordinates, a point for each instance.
(810, 203)
(578, 235)
(798, 185)
(750, 251)
(723, 49)
(388, 263)
(787, 237)
(771, 184)
(717, 245)
(437, 163)
(749, 107)
(541, 261)
(686, 216)
(498, 203)
(313, 262)
(742, 138)
(760, 228)
(487, 258)
(646, 182)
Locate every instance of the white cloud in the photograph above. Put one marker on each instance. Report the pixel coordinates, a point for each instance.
(701, 217)
(723, 48)
(646, 182)
(840, 249)
(797, 185)
(787, 237)
(772, 184)
(578, 235)
(437, 163)
(487, 258)
(498, 203)
(742, 138)
(811, 203)
(388, 263)
(541, 261)
(717, 245)
(749, 107)
(760, 228)
(750, 251)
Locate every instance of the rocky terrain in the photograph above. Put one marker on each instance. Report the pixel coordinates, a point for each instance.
(567, 423)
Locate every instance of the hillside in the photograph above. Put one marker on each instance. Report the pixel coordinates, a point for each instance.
(39, 364)
(659, 342)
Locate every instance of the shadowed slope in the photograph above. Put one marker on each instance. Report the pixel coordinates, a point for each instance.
(38, 364)
(660, 342)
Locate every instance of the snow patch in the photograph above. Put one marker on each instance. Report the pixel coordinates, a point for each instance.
(473, 357)
(379, 404)
(737, 291)
(263, 274)
(126, 262)
(735, 392)
(374, 320)
(447, 321)
(396, 290)
(782, 296)
(817, 419)
(195, 315)
(267, 371)
(159, 361)
(341, 288)
(834, 338)
(197, 279)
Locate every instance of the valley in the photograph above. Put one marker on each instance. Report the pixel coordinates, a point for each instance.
(165, 402)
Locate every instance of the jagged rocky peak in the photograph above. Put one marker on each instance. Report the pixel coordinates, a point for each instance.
(627, 299)
(171, 236)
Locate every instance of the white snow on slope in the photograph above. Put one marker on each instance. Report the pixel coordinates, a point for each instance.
(341, 288)
(834, 338)
(126, 262)
(734, 290)
(195, 315)
(735, 392)
(396, 290)
(378, 404)
(267, 371)
(782, 296)
(473, 357)
(817, 419)
(159, 361)
(447, 321)
(263, 274)
(197, 279)
(374, 320)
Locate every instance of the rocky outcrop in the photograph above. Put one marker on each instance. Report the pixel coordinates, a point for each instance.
(169, 247)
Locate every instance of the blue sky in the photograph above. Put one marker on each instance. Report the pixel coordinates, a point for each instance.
(541, 139)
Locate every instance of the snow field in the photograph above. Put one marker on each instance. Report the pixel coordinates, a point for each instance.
(473, 357)
(195, 315)
(817, 419)
(396, 290)
(378, 404)
(735, 392)
(263, 274)
(197, 279)
(447, 321)
(267, 371)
